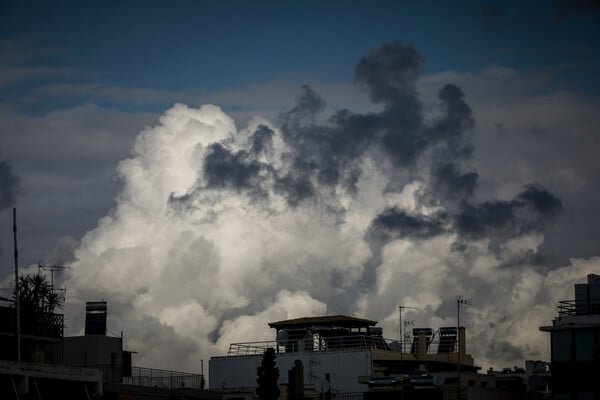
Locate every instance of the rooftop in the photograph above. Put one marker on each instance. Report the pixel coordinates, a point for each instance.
(338, 320)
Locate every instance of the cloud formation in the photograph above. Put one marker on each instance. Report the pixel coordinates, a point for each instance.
(217, 231)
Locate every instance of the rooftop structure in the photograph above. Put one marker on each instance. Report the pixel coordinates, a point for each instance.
(95, 317)
(575, 343)
(96, 349)
(345, 354)
(41, 336)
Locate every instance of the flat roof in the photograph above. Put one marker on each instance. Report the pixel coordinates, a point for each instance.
(340, 320)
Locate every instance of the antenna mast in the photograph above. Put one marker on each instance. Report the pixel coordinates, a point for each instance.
(17, 294)
(467, 302)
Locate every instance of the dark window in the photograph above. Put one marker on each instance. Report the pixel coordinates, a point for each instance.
(585, 343)
(561, 346)
(113, 359)
(127, 364)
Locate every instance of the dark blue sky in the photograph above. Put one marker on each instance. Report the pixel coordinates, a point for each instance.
(190, 45)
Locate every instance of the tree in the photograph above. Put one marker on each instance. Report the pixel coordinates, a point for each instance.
(36, 294)
(267, 377)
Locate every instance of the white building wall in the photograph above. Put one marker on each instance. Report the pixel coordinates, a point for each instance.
(344, 368)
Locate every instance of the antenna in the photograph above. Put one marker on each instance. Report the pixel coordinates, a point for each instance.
(52, 269)
(17, 294)
(407, 323)
(465, 302)
(400, 336)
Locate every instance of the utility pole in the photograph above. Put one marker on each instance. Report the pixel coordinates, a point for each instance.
(17, 294)
(460, 300)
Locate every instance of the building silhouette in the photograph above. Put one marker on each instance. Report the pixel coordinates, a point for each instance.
(348, 358)
(575, 344)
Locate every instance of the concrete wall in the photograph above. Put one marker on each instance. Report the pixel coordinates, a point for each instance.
(344, 368)
(92, 350)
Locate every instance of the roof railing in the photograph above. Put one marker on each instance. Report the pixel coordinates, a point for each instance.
(150, 377)
(572, 307)
(338, 343)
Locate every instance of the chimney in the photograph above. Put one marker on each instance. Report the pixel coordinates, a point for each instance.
(95, 318)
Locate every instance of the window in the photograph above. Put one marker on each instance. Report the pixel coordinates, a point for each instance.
(561, 346)
(585, 343)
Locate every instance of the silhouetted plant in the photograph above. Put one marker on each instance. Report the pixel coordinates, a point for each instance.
(268, 377)
(36, 295)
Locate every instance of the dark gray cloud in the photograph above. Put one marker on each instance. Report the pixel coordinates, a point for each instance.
(224, 168)
(395, 223)
(9, 185)
(531, 211)
(389, 74)
(329, 154)
(295, 188)
(262, 140)
(451, 183)
(541, 200)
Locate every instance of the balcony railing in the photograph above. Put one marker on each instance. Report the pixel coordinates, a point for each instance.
(38, 324)
(151, 377)
(572, 307)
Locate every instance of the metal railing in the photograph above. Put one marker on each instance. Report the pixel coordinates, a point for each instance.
(151, 377)
(572, 307)
(338, 343)
(37, 324)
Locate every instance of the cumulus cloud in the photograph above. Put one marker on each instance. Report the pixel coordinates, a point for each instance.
(218, 230)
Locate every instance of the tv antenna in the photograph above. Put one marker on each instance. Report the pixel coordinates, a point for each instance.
(53, 269)
(407, 323)
(400, 336)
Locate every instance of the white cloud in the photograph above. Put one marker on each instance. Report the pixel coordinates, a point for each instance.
(220, 265)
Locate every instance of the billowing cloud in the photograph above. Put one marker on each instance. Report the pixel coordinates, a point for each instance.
(218, 230)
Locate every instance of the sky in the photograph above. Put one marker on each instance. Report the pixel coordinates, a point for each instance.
(208, 168)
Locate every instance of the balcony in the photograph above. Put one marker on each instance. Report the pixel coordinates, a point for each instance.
(49, 325)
